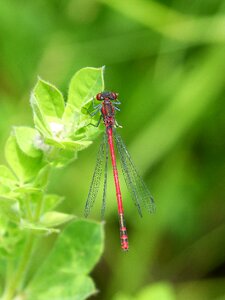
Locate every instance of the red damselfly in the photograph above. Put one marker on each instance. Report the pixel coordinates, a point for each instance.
(140, 193)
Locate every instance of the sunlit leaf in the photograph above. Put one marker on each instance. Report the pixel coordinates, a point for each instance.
(26, 188)
(76, 145)
(25, 167)
(55, 218)
(9, 208)
(6, 177)
(37, 227)
(40, 121)
(54, 142)
(68, 144)
(49, 98)
(25, 137)
(85, 84)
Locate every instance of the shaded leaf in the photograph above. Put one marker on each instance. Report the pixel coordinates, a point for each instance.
(64, 157)
(51, 201)
(82, 244)
(42, 177)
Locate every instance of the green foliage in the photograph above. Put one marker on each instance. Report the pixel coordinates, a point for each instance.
(49, 99)
(63, 131)
(7, 179)
(25, 167)
(167, 61)
(25, 206)
(65, 276)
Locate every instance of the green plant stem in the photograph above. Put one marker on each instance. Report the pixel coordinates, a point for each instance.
(20, 273)
(28, 209)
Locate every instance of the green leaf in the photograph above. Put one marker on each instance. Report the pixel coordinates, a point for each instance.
(49, 99)
(64, 157)
(37, 227)
(85, 84)
(54, 142)
(64, 287)
(76, 145)
(25, 137)
(48, 220)
(9, 208)
(6, 177)
(65, 276)
(54, 218)
(89, 132)
(25, 167)
(68, 144)
(42, 177)
(39, 119)
(11, 240)
(26, 189)
(51, 201)
(4, 189)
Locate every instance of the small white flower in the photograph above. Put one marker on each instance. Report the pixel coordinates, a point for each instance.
(57, 130)
(40, 144)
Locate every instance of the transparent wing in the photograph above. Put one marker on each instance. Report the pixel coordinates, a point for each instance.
(96, 178)
(105, 177)
(135, 184)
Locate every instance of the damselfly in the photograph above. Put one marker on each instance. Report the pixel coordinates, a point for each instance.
(140, 193)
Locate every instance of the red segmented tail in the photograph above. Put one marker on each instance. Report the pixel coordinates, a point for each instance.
(123, 229)
(123, 233)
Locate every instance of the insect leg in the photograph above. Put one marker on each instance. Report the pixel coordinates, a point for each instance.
(97, 124)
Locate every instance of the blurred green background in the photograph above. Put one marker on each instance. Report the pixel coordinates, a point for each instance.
(167, 61)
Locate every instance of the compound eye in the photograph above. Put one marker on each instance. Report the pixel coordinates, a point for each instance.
(99, 96)
(114, 96)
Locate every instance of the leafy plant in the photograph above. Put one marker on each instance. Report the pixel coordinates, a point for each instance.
(27, 210)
